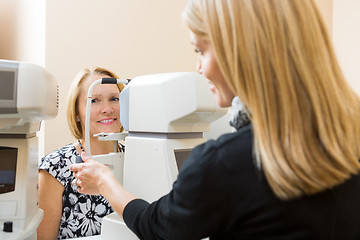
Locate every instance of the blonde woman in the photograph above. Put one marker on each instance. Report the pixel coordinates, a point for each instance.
(293, 173)
(67, 213)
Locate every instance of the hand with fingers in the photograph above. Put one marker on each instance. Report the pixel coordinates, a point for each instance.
(88, 175)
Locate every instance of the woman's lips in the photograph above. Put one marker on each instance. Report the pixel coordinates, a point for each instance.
(107, 121)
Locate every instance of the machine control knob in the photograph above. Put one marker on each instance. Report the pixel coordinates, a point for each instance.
(78, 159)
(8, 226)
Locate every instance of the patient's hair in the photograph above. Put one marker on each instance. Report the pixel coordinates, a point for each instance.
(73, 96)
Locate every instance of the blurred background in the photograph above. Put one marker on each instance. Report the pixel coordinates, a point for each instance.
(131, 38)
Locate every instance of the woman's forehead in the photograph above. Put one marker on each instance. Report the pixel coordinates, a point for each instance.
(105, 89)
(198, 41)
(84, 87)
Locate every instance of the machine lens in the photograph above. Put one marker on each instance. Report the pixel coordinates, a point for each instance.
(7, 83)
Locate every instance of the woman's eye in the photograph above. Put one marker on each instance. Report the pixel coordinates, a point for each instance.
(115, 99)
(198, 51)
(94, 100)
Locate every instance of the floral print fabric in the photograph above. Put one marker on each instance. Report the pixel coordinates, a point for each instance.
(82, 214)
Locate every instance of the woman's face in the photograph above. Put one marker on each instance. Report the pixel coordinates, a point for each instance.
(105, 109)
(208, 66)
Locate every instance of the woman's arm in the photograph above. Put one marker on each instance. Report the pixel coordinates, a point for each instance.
(50, 200)
(96, 178)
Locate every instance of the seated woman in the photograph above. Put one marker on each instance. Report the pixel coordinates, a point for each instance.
(67, 213)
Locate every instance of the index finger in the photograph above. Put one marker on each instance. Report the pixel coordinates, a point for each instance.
(75, 167)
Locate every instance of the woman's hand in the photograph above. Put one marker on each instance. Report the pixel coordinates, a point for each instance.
(89, 175)
(95, 178)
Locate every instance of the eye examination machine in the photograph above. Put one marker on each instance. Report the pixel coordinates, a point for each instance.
(28, 94)
(165, 116)
(114, 160)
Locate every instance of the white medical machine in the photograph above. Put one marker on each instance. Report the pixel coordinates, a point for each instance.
(165, 116)
(114, 160)
(28, 94)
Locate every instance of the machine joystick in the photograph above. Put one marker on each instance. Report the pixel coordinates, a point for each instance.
(78, 159)
(8, 226)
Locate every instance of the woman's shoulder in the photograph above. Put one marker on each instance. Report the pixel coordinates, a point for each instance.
(59, 159)
(241, 140)
(217, 163)
(224, 151)
(65, 151)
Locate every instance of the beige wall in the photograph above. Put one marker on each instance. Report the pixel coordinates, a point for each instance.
(342, 17)
(22, 25)
(346, 35)
(326, 8)
(7, 29)
(129, 37)
(22, 35)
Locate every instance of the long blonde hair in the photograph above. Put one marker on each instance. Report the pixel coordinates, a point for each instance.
(73, 97)
(277, 57)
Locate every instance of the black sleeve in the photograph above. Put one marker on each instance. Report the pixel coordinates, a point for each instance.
(195, 208)
(131, 213)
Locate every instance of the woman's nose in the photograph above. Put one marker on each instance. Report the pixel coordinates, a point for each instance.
(107, 109)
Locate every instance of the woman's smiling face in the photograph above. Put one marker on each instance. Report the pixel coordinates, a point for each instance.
(207, 65)
(105, 108)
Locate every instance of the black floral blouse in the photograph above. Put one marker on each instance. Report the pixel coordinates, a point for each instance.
(82, 214)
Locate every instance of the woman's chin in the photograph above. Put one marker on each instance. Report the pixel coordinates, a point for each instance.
(223, 103)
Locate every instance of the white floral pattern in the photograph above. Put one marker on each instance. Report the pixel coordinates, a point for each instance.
(82, 214)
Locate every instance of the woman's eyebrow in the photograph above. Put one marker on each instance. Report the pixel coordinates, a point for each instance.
(100, 95)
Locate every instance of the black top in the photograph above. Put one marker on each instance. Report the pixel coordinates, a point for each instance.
(220, 193)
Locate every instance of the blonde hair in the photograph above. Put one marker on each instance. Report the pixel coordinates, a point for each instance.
(73, 96)
(277, 57)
